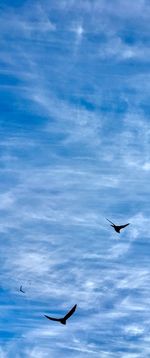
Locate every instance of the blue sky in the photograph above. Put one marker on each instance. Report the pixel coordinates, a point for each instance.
(74, 149)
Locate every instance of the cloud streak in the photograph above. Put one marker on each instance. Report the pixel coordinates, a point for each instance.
(74, 150)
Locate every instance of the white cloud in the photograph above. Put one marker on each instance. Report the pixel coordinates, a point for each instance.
(56, 194)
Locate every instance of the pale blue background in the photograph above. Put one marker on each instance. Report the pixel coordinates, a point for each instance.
(74, 149)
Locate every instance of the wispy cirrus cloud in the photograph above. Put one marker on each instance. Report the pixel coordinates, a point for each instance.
(74, 150)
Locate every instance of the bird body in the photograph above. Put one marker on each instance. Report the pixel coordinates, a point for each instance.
(117, 228)
(63, 319)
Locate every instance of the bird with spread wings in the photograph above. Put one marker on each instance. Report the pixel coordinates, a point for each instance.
(117, 228)
(21, 290)
(63, 319)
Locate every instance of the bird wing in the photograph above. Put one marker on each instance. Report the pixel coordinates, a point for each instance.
(110, 221)
(21, 290)
(70, 312)
(122, 226)
(52, 318)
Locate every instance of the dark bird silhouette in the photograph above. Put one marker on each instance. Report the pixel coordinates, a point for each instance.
(117, 228)
(63, 319)
(21, 290)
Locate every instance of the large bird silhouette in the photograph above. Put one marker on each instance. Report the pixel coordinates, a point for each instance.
(63, 319)
(117, 228)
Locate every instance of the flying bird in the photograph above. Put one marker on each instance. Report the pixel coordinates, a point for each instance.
(63, 319)
(117, 228)
(21, 290)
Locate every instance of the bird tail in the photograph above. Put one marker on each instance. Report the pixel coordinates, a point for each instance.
(63, 321)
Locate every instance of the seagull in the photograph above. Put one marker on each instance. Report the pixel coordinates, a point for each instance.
(63, 319)
(117, 228)
(21, 290)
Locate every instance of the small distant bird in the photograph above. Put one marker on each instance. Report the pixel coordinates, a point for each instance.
(21, 290)
(64, 319)
(117, 227)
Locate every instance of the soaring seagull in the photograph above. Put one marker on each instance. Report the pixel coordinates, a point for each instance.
(63, 319)
(117, 227)
(21, 290)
